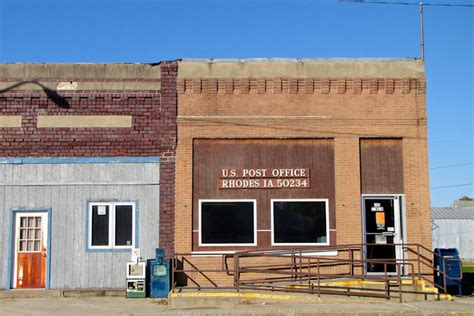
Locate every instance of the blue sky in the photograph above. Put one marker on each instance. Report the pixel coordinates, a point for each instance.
(155, 30)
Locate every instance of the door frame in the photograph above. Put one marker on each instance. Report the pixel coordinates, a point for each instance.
(12, 245)
(400, 220)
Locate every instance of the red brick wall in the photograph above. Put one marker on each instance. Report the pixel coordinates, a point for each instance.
(168, 133)
(345, 109)
(30, 141)
(150, 134)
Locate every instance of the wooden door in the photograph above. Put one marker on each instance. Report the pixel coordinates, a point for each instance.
(31, 234)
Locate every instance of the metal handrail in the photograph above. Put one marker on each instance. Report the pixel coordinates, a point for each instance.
(306, 269)
(408, 246)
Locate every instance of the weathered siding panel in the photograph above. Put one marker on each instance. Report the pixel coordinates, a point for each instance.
(4, 224)
(66, 189)
(455, 233)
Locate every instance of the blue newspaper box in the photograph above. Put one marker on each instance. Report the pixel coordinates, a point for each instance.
(447, 260)
(159, 275)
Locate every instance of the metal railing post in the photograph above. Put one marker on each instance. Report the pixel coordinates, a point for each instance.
(399, 281)
(444, 277)
(301, 269)
(236, 273)
(293, 265)
(319, 278)
(351, 258)
(309, 272)
(172, 273)
(387, 285)
(418, 259)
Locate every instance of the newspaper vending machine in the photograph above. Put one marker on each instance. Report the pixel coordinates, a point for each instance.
(136, 276)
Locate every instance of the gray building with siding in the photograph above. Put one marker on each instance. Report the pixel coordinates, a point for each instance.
(453, 227)
(65, 189)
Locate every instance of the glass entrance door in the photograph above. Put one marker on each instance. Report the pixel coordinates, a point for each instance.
(382, 231)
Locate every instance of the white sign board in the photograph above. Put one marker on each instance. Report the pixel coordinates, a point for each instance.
(101, 210)
(376, 208)
(136, 255)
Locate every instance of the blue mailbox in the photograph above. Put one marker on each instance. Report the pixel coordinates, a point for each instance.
(447, 260)
(159, 275)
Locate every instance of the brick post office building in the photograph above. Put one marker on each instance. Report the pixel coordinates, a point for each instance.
(277, 154)
(86, 171)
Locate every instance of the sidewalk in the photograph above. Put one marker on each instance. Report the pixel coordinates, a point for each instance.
(120, 306)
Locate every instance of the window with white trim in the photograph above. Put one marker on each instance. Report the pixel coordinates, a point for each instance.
(300, 222)
(111, 225)
(227, 223)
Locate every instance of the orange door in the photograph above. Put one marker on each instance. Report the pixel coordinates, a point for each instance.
(31, 251)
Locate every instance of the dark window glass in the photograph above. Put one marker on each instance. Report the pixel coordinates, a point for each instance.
(385, 253)
(100, 225)
(227, 222)
(123, 225)
(299, 222)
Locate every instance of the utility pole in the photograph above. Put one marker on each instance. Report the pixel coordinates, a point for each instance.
(420, 5)
(422, 33)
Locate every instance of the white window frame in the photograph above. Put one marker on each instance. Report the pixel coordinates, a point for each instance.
(326, 204)
(112, 227)
(254, 201)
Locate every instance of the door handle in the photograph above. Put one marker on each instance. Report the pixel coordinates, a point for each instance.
(43, 252)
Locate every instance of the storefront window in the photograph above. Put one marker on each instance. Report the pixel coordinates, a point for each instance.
(111, 225)
(227, 222)
(300, 222)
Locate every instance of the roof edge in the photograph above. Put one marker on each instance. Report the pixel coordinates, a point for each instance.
(302, 68)
(27, 71)
(298, 60)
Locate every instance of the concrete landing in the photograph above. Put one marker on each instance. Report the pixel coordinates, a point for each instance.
(29, 293)
(41, 293)
(196, 299)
